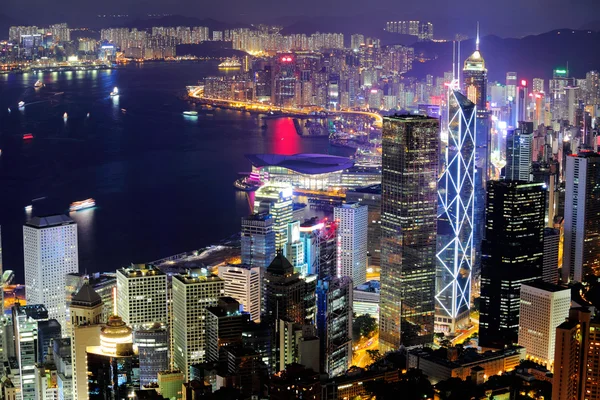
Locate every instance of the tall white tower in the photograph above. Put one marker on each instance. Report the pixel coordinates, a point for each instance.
(50, 253)
(352, 219)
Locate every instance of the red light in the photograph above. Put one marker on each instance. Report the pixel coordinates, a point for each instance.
(523, 82)
(286, 59)
(27, 136)
(538, 96)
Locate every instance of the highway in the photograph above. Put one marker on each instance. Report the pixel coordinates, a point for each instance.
(360, 357)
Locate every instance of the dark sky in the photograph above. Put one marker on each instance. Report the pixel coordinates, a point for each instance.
(501, 17)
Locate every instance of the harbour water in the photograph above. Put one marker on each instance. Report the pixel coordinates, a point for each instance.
(162, 181)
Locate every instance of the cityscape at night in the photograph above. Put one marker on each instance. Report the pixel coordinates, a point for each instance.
(319, 202)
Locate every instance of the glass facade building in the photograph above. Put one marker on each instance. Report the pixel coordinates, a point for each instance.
(411, 149)
(258, 240)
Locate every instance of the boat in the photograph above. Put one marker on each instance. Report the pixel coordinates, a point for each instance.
(21, 104)
(82, 205)
(191, 113)
(65, 115)
(248, 183)
(123, 110)
(28, 208)
(231, 63)
(115, 92)
(38, 84)
(88, 115)
(28, 136)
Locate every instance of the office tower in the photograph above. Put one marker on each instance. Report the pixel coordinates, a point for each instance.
(352, 226)
(50, 253)
(550, 257)
(152, 342)
(142, 295)
(408, 230)
(581, 255)
(25, 325)
(86, 315)
(334, 324)
(592, 381)
(258, 240)
(284, 292)
(276, 199)
(371, 197)
(64, 368)
(544, 307)
(48, 331)
(356, 40)
(224, 326)
(169, 384)
(512, 254)
(310, 235)
(294, 249)
(571, 351)
(538, 85)
(456, 198)
(475, 78)
(284, 81)
(518, 155)
(113, 366)
(193, 293)
(60, 33)
(511, 86)
(102, 283)
(244, 284)
(46, 377)
(328, 250)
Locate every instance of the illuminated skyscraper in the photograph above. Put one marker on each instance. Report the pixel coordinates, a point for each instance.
(512, 255)
(352, 220)
(276, 199)
(408, 230)
(50, 252)
(456, 197)
(581, 256)
(258, 240)
(294, 249)
(519, 153)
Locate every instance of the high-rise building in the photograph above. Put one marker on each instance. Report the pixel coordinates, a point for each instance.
(581, 256)
(550, 257)
(511, 86)
(193, 293)
(258, 240)
(294, 249)
(169, 383)
(475, 78)
(86, 317)
(571, 354)
(408, 230)
(352, 221)
(284, 292)
(50, 253)
(334, 324)
(284, 81)
(519, 154)
(276, 199)
(152, 342)
(544, 307)
(356, 40)
(511, 255)
(113, 366)
(102, 283)
(142, 295)
(224, 326)
(456, 191)
(60, 33)
(25, 325)
(244, 284)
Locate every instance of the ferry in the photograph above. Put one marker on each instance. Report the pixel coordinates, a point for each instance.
(82, 205)
(28, 208)
(247, 184)
(28, 136)
(115, 92)
(231, 63)
(38, 84)
(21, 104)
(191, 113)
(65, 115)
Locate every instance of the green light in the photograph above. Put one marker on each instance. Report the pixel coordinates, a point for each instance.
(560, 71)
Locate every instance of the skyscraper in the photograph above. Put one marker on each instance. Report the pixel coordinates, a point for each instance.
(519, 154)
(294, 249)
(152, 342)
(258, 240)
(352, 221)
(244, 283)
(456, 198)
(50, 253)
(276, 199)
(193, 293)
(581, 256)
(142, 295)
(408, 230)
(511, 255)
(550, 258)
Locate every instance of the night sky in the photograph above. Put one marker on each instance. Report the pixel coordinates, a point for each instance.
(501, 17)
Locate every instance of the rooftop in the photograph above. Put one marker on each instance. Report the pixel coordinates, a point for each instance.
(86, 296)
(140, 270)
(49, 221)
(548, 287)
(302, 163)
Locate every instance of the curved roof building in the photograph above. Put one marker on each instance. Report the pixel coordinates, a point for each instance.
(310, 164)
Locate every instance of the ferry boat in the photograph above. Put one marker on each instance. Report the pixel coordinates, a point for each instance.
(38, 84)
(21, 104)
(248, 183)
(231, 63)
(82, 205)
(191, 113)
(115, 92)
(65, 115)
(28, 208)
(28, 136)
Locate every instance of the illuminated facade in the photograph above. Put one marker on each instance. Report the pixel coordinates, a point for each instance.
(276, 199)
(519, 153)
(294, 249)
(50, 253)
(352, 226)
(456, 198)
(408, 230)
(244, 283)
(258, 240)
(152, 342)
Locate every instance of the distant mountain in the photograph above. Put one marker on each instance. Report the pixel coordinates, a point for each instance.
(531, 57)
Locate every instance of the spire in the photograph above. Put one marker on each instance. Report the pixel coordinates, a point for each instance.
(477, 40)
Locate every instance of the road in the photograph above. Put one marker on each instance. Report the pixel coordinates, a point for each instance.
(461, 338)
(360, 357)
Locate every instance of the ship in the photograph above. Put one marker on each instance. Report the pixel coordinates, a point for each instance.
(82, 205)
(231, 63)
(38, 84)
(28, 208)
(247, 184)
(115, 92)
(27, 136)
(65, 116)
(21, 104)
(191, 113)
